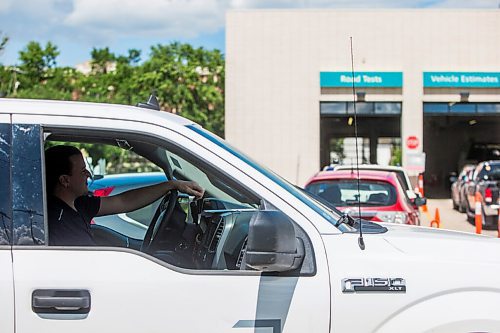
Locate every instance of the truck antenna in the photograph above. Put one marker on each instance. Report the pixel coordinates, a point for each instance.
(152, 102)
(361, 242)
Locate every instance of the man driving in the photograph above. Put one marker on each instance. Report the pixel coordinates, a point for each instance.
(70, 207)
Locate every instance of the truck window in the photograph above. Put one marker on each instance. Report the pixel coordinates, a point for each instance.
(28, 226)
(209, 233)
(5, 185)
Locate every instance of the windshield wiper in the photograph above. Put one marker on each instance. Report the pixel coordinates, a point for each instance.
(345, 219)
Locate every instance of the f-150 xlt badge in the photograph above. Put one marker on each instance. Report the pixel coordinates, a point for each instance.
(392, 285)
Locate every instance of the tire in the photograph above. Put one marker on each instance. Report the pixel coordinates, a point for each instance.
(461, 203)
(470, 214)
(461, 206)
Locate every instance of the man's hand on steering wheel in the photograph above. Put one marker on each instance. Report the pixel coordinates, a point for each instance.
(188, 187)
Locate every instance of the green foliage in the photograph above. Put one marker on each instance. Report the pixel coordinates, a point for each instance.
(3, 41)
(337, 147)
(396, 156)
(101, 60)
(36, 63)
(188, 81)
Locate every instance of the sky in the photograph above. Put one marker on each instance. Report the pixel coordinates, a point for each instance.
(77, 26)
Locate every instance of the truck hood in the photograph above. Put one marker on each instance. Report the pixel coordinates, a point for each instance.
(441, 269)
(456, 245)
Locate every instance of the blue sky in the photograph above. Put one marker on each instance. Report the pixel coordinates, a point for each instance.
(76, 26)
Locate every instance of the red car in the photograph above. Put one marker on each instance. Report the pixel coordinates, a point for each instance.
(381, 196)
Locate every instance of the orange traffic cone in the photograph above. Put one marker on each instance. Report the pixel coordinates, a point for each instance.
(421, 184)
(421, 191)
(478, 213)
(437, 220)
(424, 208)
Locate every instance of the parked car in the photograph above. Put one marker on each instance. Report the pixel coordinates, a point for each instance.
(381, 196)
(400, 172)
(458, 196)
(133, 224)
(486, 181)
(479, 152)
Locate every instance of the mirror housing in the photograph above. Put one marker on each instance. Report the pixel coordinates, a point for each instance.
(420, 201)
(272, 245)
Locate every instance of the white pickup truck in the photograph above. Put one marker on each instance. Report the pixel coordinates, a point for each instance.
(256, 254)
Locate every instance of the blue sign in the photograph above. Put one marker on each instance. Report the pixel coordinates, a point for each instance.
(462, 79)
(361, 79)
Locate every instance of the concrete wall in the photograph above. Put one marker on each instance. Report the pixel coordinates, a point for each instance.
(274, 57)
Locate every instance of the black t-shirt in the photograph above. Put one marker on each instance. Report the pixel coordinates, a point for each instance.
(69, 227)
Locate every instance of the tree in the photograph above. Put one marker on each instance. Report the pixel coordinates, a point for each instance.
(188, 81)
(133, 57)
(5, 75)
(36, 62)
(396, 156)
(101, 59)
(3, 42)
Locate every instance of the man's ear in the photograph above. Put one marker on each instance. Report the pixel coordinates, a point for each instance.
(64, 181)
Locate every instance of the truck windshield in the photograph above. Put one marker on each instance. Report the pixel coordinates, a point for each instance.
(329, 214)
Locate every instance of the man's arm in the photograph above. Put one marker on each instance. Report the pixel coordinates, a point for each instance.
(138, 198)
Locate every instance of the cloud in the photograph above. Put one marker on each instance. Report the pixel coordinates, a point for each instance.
(84, 24)
(35, 19)
(166, 18)
(171, 19)
(5, 5)
(108, 20)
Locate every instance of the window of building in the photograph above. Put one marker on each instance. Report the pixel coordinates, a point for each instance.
(488, 107)
(387, 108)
(462, 108)
(435, 107)
(333, 108)
(362, 108)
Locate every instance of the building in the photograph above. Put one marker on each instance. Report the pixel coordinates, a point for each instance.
(427, 82)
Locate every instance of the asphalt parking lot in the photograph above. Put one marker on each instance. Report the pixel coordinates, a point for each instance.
(450, 218)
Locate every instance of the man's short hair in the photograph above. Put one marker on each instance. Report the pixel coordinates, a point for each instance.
(57, 163)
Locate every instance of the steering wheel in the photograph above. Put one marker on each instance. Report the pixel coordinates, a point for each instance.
(162, 216)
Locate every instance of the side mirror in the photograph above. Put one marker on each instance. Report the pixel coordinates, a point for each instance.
(420, 201)
(272, 245)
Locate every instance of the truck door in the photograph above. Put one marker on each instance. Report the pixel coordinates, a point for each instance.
(116, 289)
(6, 277)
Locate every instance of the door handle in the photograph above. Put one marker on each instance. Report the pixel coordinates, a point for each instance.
(60, 301)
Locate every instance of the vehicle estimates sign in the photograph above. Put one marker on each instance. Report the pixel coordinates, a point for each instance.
(361, 79)
(462, 79)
